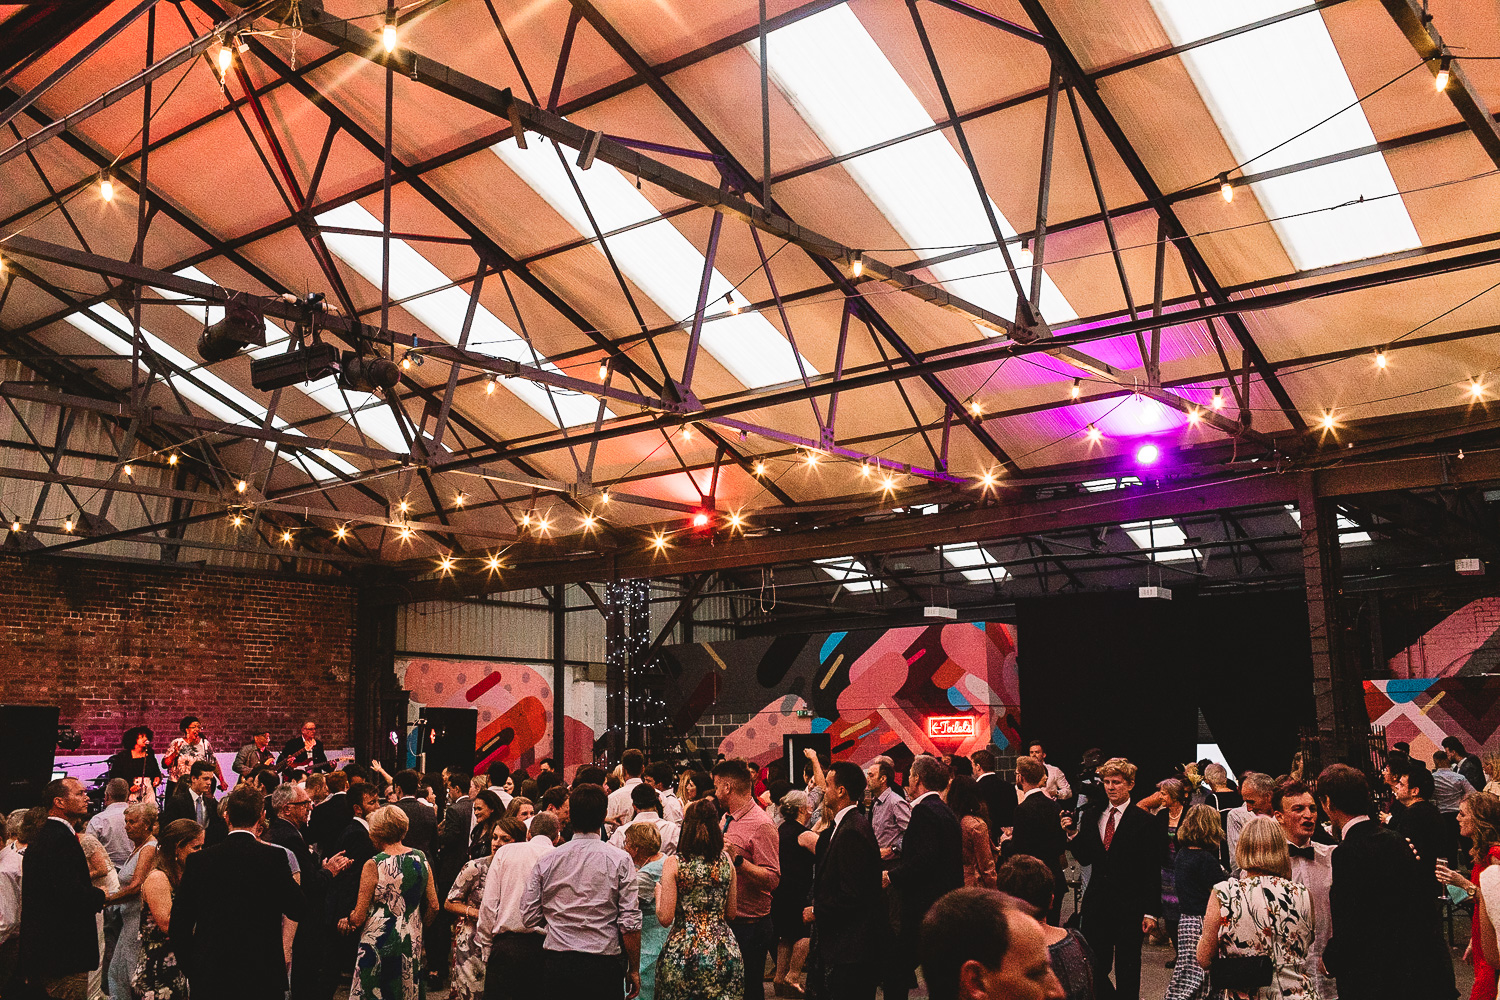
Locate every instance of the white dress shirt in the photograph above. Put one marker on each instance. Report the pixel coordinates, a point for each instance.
(1119, 814)
(839, 818)
(671, 805)
(665, 828)
(1316, 875)
(620, 808)
(109, 827)
(584, 895)
(500, 910)
(10, 892)
(1057, 786)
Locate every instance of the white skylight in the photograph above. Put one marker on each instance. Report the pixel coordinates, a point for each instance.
(1267, 85)
(974, 563)
(1162, 534)
(1102, 485)
(375, 418)
(847, 90)
(1350, 533)
(659, 260)
(443, 311)
(108, 327)
(851, 573)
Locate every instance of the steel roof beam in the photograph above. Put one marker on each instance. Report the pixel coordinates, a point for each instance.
(1415, 22)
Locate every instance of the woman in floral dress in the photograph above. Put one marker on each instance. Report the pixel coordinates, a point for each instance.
(157, 976)
(701, 959)
(187, 750)
(466, 979)
(1263, 912)
(397, 898)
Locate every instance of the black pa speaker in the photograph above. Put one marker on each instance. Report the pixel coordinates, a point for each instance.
(450, 738)
(31, 738)
(793, 746)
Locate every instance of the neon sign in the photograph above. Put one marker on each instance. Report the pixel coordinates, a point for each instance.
(950, 726)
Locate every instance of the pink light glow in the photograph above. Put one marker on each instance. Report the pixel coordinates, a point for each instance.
(1147, 454)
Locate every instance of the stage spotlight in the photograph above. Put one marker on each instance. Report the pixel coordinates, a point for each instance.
(240, 327)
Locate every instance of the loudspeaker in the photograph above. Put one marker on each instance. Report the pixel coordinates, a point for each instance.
(450, 738)
(26, 765)
(792, 747)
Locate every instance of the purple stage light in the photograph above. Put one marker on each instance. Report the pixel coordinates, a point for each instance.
(1147, 454)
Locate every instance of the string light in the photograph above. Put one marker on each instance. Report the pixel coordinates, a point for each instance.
(887, 484)
(733, 303)
(865, 470)
(405, 533)
(445, 565)
(588, 522)
(700, 520)
(687, 432)
(976, 409)
(1445, 65)
(604, 497)
(603, 371)
(1476, 389)
(526, 519)
(1077, 389)
(735, 520)
(403, 506)
(987, 480)
(811, 458)
(68, 525)
(857, 263)
(1218, 399)
(1380, 358)
(15, 525)
(226, 59)
(1326, 422)
(341, 532)
(543, 525)
(241, 486)
(129, 470)
(1195, 417)
(458, 499)
(388, 36)
(489, 386)
(760, 468)
(106, 187)
(1094, 434)
(406, 362)
(492, 563)
(172, 458)
(1226, 189)
(659, 541)
(237, 520)
(286, 537)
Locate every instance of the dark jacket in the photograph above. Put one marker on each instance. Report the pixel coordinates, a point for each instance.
(180, 806)
(327, 822)
(294, 755)
(1429, 833)
(932, 862)
(1387, 940)
(1037, 832)
(453, 843)
(1126, 880)
(999, 797)
(343, 891)
(226, 919)
(421, 825)
(847, 904)
(58, 903)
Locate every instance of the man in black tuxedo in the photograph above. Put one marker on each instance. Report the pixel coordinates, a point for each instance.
(999, 795)
(1387, 938)
(291, 805)
(304, 752)
(1038, 830)
(421, 819)
(847, 906)
(330, 818)
(1123, 901)
(194, 800)
(59, 946)
(453, 835)
(932, 861)
(1420, 821)
(343, 891)
(227, 927)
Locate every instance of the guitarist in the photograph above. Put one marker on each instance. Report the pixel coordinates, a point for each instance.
(304, 753)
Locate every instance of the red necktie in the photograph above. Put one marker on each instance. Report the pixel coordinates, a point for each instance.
(1109, 829)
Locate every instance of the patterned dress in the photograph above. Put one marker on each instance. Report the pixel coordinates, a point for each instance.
(157, 976)
(389, 963)
(468, 966)
(188, 754)
(701, 959)
(1268, 915)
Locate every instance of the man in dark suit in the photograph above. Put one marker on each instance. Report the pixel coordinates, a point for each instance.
(292, 805)
(1420, 822)
(421, 819)
(932, 862)
(330, 818)
(1123, 901)
(453, 835)
(1387, 938)
(1038, 830)
(227, 925)
(58, 937)
(304, 753)
(194, 800)
(343, 891)
(847, 906)
(999, 795)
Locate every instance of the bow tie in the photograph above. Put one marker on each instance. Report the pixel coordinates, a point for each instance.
(1301, 852)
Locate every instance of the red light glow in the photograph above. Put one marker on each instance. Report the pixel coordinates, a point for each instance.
(700, 520)
(950, 726)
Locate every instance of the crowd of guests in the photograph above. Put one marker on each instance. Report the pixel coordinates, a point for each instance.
(653, 880)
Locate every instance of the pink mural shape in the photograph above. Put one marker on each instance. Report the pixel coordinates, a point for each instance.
(1446, 648)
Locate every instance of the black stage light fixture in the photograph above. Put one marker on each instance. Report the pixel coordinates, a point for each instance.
(240, 327)
(308, 364)
(366, 373)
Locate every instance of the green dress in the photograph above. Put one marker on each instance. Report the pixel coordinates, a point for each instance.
(389, 964)
(701, 959)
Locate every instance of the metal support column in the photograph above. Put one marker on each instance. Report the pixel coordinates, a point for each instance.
(1340, 730)
(378, 703)
(558, 605)
(616, 659)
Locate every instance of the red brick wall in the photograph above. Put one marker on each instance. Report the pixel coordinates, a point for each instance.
(115, 645)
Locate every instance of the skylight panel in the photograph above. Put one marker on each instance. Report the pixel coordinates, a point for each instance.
(106, 325)
(1267, 85)
(375, 418)
(849, 93)
(414, 276)
(1103, 485)
(851, 573)
(974, 563)
(659, 260)
(1350, 533)
(1162, 534)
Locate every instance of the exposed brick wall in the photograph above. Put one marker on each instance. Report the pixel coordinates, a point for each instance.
(115, 645)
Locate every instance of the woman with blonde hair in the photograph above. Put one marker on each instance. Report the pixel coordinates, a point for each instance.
(1195, 872)
(1479, 820)
(1258, 927)
(140, 827)
(643, 844)
(397, 897)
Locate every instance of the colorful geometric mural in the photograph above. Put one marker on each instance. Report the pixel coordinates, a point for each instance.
(514, 703)
(1465, 643)
(871, 691)
(1423, 710)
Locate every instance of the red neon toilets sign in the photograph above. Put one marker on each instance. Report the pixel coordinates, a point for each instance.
(950, 726)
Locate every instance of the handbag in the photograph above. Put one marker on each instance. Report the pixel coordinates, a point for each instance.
(1240, 973)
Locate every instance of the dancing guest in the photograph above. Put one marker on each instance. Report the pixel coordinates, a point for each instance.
(647, 804)
(1038, 828)
(691, 786)
(185, 751)
(1195, 872)
(932, 859)
(521, 808)
(1312, 867)
(58, 900)
(1056, 787)
(513, 951)
(662, 776)
(254, 755)
(889, 810)
(397, 898)
(1174, 796)
(1256, 790)
(17, 832)
(331, 817)
(998, 794)
(633, 763)
(304, 752)
(108, 824)
(1029, 880)
(979, 854)
(791, 893)
(421, 819)
(290, 806)
(453, 832)
(136, 763)
(158, 974)
(754, 852)
(466, 977)
(701, 959)
(1449, 789)
(643, 844)
(1419, 820)
(104, 877)
(487, 812)
(1479, 822)
(1465, 763)
(976, 944)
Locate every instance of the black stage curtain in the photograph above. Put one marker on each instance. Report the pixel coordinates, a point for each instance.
(1129, 676)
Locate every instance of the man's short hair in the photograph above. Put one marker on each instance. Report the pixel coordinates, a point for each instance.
(848, 776)
(886, 768)
(57, 788)
(1440, 758)
(244, 807)
(634, 762)
(1288, 789)
(1401, 745)
(1344, 788)
(554, 797)
(1031, 770)
(338, 781)
(201, 767)
(966, 925)
(741, 773)
(118, 790)
(544, 824)
(1028, 880)
(282, 797)
(643, 796)
(1035, 743)
(985, 760)
(662, 772)
(1420, 780)
(460, 780)
(1454, 744)
(589, 774)
(1118, 767)
(267, 779)
(408, 781)
(931, 772)
(586, 807)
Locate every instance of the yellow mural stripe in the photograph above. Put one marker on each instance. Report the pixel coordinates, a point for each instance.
(831, 670)
(1436, 698)
(856, 728)
(710, 650)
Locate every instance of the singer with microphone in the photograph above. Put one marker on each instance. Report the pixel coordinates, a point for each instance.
(136, 764)
(187, 750)
(304, 753)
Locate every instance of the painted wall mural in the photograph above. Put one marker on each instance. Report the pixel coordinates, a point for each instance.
(1423, 710)
(871, 691)
(514, 701)
(1465, 643)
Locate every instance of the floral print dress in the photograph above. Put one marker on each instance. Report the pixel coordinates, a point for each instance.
(701, 959)
(1268, 915)
(157, 975)
(389, 963)
(467, 980)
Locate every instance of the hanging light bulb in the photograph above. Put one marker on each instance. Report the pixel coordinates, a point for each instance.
(129, 470)
(811, 458)
(1195, 417)
(543, 525)
(588, 522)
(1477, 389)
(1326, 422)
(341, 532)
(864, 470)
(1440, 80)
(976, 409)
(172, 458)
(604, 497)
(1218, 399)
(404, 505)
(760, 468)
(857, 263)
(445, 564)
(15, 525)
(526, 519)
(735, 520)
(887, 484)
(1077, 389)
(687, 432)
(1226, 189)
(388, 35)
(68, 525)
(603, 370)
(458, 499)
(1380, 357)
(489, 386)
(732, 302)
(286, 537)
(659, 541)
(1094, 434)
(405, 533)
(237, 520)
(106, 188)
(241, 486)
(492, 563)
(226, 59)
(987, 480)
